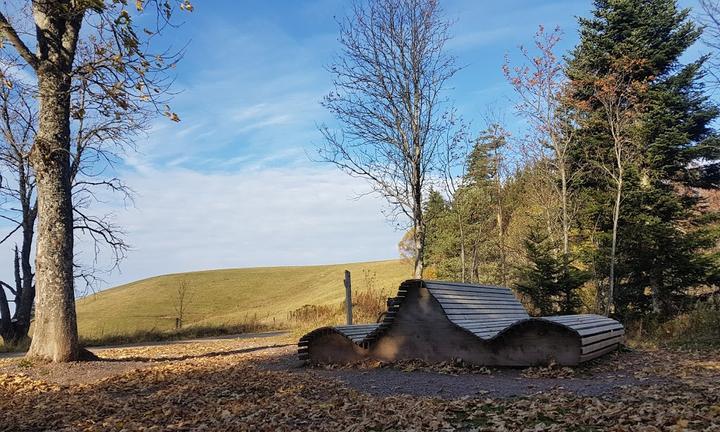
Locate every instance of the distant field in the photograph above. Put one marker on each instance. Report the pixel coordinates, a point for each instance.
(227, 297)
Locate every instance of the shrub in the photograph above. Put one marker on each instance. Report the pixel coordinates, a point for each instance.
(697, 328)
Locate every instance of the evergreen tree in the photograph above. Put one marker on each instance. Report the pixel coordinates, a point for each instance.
(467, 240)
(662, 231)
(549, 282)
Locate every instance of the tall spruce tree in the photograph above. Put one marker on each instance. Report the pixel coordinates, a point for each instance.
(662, 228)
(467, 239)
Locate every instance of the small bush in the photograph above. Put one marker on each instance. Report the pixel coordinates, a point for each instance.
(698, 328)
(368, 304)
(312, 313)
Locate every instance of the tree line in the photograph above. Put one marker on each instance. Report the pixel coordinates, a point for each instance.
(600, 204)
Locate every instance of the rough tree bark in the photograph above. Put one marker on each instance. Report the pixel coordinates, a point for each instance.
(55, 336)
(116, 68)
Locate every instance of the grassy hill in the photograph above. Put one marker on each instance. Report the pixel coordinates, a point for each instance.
(231, 297)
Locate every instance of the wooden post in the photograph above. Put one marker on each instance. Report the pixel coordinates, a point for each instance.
(348, 297)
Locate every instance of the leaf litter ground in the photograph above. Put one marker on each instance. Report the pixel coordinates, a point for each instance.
(257, 385)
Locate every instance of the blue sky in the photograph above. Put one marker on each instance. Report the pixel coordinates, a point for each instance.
(231, 185)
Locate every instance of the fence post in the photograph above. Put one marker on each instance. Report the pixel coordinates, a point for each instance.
(348, 297)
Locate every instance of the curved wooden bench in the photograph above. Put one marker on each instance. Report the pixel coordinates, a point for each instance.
(485, 325)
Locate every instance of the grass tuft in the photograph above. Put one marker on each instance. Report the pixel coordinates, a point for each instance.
(699, 328)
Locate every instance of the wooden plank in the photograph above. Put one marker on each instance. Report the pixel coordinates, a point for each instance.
(466, 293)
(488, 328)
(473, 313)
(467, 287)
(480, 301)
(573, 318)
(598, 353)
(590, 324)
(355, 326)
(453, 317)
(471, 295)
(596, 330)
(485, 323)
(601, 336)
(579, 320)
(480, 309)
(355, 333)
(582, 321)
(463, 291)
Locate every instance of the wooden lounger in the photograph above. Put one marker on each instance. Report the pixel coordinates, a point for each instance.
(483, 325)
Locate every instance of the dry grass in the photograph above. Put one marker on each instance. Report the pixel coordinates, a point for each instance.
(698, 328)
(251, 324)
(225, 299)
(368, 303)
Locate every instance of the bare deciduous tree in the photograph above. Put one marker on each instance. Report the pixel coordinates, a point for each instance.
(618, 94)
(710, 18)
(541, 85)
(112, 58)
(96, 140)
(389, 101)
(183, 296)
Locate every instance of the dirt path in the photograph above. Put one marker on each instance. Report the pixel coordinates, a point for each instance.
(99, 349)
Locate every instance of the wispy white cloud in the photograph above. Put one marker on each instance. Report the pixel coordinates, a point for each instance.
(188, 220)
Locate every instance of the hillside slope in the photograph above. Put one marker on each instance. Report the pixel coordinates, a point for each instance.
(227, 297)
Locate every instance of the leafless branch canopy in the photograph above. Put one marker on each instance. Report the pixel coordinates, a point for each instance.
(388, 97)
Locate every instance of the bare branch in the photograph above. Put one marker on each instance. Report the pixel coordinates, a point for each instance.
(9, 33)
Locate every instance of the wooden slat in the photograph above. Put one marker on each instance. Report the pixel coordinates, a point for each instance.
(575, 318)
(462, 286)
(479, 314)
(453, 317)
(480, 304)
(597, 354)
(493, 322)
(496, 327)
(585, 321)
(596, 330)
(356, 326)
(472, 291)
(355, 330)
(478, 308)
(438, 292)
(599, 345)
(601, 336)
(591, 324)
(466, 296)
(484, 321)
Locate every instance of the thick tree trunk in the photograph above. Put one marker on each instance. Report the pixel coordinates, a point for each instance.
(55, 335)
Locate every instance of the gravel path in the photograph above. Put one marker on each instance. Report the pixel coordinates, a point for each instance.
(500, 383)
